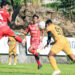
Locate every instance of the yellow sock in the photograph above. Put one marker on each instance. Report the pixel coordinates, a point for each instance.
(53, 63)
(15, 59)
(9, 59)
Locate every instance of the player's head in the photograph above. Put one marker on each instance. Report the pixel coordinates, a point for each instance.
(5, 5)
(35, 18)
(48, 22)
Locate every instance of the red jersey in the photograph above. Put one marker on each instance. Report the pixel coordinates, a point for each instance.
(4, 15)
(35, 34)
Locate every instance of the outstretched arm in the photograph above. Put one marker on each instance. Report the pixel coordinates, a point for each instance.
(42, 35)
(49, 39)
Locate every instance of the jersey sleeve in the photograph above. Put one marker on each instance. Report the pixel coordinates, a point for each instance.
(28, 29)
(49, 37)
(8, 15)
(48, 28)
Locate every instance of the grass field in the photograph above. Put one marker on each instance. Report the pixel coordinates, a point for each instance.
(31, 69)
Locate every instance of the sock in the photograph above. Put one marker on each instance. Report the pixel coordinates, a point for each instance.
(15, 59)
(9, 59)
(38, 62)
(53, 63)
(34, 52)
(18, 39)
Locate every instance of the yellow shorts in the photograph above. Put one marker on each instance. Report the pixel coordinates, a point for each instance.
(12, 50)
(62, 45)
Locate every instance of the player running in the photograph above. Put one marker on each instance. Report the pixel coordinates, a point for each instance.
(4, 17)
(35, 32)
(61, 43)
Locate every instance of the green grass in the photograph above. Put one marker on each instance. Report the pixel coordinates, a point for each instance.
(31, 69)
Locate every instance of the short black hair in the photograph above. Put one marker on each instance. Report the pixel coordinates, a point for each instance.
(35, 16)
(48, 22)
(3, 3)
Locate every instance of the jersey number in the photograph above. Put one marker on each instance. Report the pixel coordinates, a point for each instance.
(59, 32)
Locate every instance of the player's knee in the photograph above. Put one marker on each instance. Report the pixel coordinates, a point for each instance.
(14, 55)
(29, 49)
(49, 55)
(73, 59)
(9, 55)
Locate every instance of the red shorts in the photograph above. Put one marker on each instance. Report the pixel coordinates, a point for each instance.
(6, 31)
(35, 43)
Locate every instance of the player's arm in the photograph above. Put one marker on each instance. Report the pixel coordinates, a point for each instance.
(49, 38)
(24, 32)
(10, 16)
(42, 35)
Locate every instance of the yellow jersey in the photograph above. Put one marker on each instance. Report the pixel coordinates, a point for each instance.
(56, 31)
(12, 41)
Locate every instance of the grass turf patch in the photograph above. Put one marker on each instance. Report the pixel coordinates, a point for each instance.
(31, 69)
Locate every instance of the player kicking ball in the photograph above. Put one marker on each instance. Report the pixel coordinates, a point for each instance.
(4, 17)
(35, 33)
(60, 43)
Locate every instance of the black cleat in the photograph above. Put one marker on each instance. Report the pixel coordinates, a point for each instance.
(39, 67)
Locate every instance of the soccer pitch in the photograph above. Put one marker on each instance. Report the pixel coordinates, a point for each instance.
(31, 69)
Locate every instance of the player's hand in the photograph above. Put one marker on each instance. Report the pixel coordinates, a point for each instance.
(11, 12)
(41, 39)
(21, 31)
(45, 46)
(52, 43)
(24, 41)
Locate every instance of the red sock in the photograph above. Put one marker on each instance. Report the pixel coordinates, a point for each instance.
(38, 62)
(18, 39)
(34, 52)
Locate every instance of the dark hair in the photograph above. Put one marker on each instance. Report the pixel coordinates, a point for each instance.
(3, 3)
(35, 16)
(48, 22)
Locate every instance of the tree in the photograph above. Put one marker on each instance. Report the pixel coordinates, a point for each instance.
(68, 7)
(36, 2)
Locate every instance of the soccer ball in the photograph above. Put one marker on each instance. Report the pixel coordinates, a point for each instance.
(42, 25)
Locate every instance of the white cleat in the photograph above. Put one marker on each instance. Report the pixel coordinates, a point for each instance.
(56, 72)
(14, 63)
(9, 64)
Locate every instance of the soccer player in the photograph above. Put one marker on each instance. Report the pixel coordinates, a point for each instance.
(4, 17)
(35, 32)
(60, 43)
(12, 49)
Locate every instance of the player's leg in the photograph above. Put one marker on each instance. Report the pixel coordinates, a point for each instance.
(68, 50)
(53, 63)
(34, 52)
(53, 60)
(10, 32)
(72, 57)
(10, 54)
(38, 61)
(15, 55)
(56, 48)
